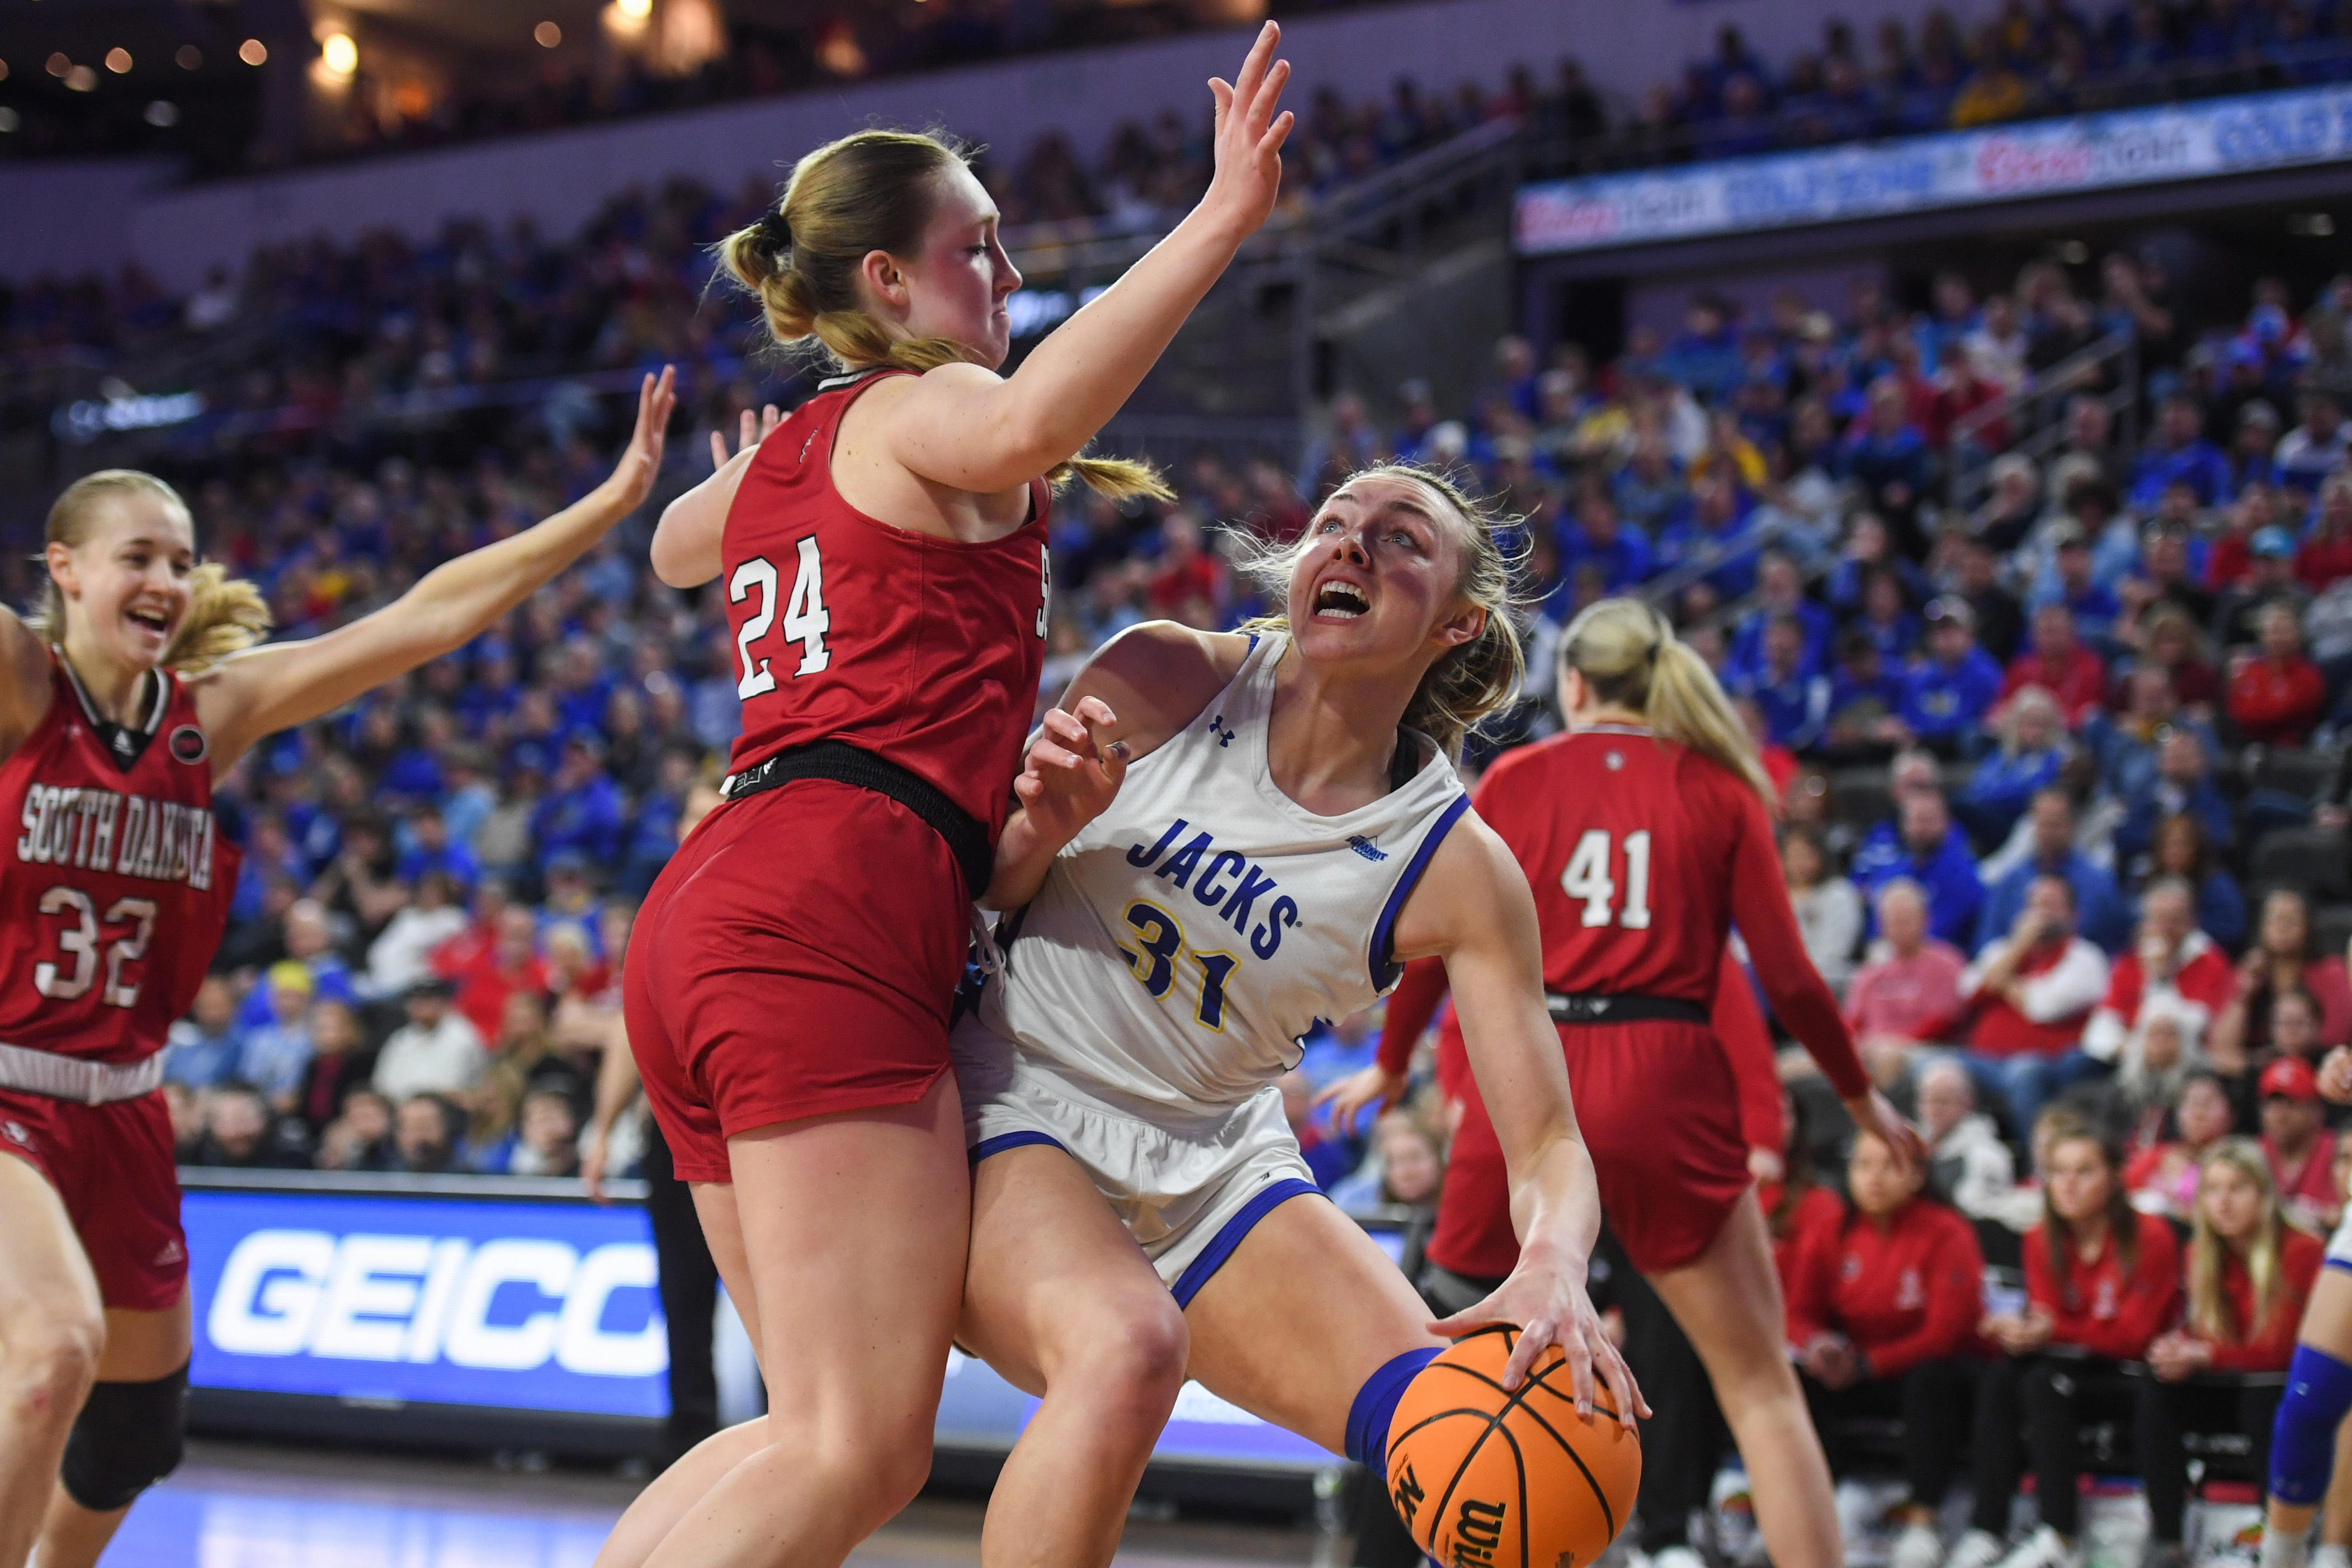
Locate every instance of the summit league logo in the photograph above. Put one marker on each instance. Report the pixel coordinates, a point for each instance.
(188, 744)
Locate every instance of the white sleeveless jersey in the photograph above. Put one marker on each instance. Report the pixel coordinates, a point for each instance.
(1185, 941)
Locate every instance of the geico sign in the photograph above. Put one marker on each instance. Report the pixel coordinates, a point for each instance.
(421, 1298)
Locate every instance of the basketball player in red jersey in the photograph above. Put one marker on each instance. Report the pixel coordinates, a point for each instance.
(789, 988)
(1645, 834)
(122, 701)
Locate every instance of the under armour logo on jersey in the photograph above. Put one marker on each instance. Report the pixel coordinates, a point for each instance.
(1363, 846)
(1218, 728)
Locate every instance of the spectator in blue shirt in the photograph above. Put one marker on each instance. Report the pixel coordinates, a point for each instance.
(1620, 555)
(1714, 524)
(1947, 694)
(278, 1053)
(1649, 489)
(2095, 609)
(1780, 591)
(2180, 455)
(430, 849)
(309, 941)
(580, 812)
(1925, 845)
(1705, 356)
(2101, 915)
(2182, 782)
(205, 1046)
(1889, 458)
(1864, 697)
(1795, 703)
(2033, 749)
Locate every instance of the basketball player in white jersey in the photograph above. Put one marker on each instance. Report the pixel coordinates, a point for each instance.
(1225, 838)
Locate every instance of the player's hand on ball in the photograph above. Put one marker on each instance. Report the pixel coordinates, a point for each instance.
(1544, 1299)
(1073, 771)
(1374, 1086)
(1249, 137)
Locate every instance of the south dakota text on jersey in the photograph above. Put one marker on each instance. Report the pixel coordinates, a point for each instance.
(161, 840)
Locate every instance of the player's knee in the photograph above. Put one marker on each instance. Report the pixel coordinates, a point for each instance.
(2303, 1439)
(1140, 1358)
(52, 1361)
(128, 1436)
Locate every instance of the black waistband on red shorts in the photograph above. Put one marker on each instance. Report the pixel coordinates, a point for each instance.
(966, 834)
(1588, 1008)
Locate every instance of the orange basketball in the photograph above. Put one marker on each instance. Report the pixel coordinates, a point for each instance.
(1488, 1480)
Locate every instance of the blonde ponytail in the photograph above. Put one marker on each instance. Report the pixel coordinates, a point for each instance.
(871, 191)
(1630, 657)
(225, 613)
(1470, 680)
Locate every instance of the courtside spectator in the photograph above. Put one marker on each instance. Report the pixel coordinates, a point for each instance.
(402, 953)
(2158, 1056)
(310, 942)
(2284, 958)
(1924, 845)
(1882, 1323)
(276, 1053)
(2164, 1179)
(425, 1134)
(2248, 1276)
(339, 1062)
(510, 964)
(2101, 1281)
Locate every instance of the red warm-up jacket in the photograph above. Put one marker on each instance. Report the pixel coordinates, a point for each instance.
(2099, 1309)
(1912, 1293)
(2269, 1345)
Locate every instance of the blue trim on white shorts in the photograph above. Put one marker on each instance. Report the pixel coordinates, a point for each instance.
(1003, 1141)
(2343, 1263)
(1385, 965)
(1229, 1236)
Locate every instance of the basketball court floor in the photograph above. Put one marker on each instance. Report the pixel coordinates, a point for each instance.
(251, 1505)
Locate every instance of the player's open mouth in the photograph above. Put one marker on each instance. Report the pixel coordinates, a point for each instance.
(1340, 601)
(155, 621)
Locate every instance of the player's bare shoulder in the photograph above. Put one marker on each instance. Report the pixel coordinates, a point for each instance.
(1474, 889)
(1157, 676)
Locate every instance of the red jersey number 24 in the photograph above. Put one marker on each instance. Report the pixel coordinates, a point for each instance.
(806, 619)
(1587, 878)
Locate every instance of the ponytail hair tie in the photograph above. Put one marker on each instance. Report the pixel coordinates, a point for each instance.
(775, 233)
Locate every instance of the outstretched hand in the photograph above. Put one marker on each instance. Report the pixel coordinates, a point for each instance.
(1249, 137)
(1548, 1304)
(752, 430)
(1073, 773)
(633, 477)
(1374, 1086)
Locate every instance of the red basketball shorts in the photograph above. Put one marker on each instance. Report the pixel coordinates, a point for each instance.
(113, 1166)
(1660, 1115)
(798, 957)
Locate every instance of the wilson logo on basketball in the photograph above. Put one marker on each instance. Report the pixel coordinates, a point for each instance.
(1408, 1495)
(1477, 1531)
(188, 744)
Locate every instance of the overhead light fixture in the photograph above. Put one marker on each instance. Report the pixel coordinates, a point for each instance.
(339, 54)
(81, 79)
(190, 58)
(253, 51)
(548, 34)
(117, 60)
(635, 10)
(163, 115)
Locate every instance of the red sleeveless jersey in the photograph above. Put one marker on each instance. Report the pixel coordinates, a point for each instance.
(1642, 855)
(922, 650)
(115, 890)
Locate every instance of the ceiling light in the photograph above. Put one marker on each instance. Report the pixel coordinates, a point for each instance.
(118, 62)
(81, 79)
(253, 51)
(163, 115)
(190, 58)
(635, 10)
(339, 54)
(548, 34)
